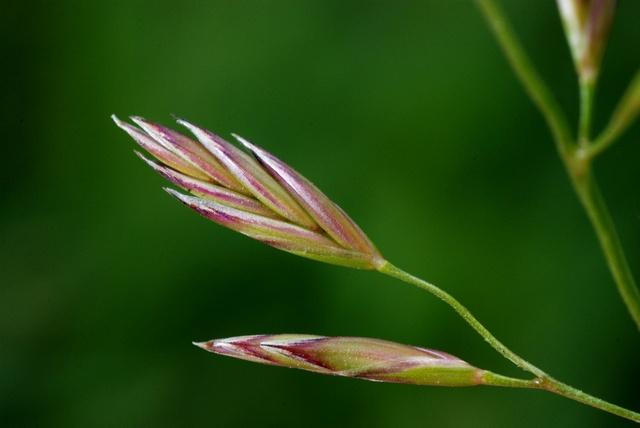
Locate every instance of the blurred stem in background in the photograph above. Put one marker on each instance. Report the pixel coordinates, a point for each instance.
(623, 116)
(586, 24)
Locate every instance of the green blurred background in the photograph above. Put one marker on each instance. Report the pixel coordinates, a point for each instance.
(404, 112)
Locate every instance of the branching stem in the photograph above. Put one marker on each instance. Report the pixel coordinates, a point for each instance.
(623, 116)
(578, 157)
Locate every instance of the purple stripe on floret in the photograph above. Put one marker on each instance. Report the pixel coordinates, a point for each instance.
(252, 176)
(190, 150)
(330, 217)
(253, 224)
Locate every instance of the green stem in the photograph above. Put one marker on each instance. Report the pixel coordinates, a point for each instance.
(389, 269)
(587, 91)
(574, 394)
(542, 380)
(552, 385)
(623, 116)
(596, 208)
(494, 379)
(529, 77)
(577, 162)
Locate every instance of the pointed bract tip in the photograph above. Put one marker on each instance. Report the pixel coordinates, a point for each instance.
(179, 196)
(140, 121)
(186, 199)
(133, 131)
(182, 122)
(174, 193)
(193, 128)
(203, 345)
(148, 161)
(243, 141)
(138, 118)
(141, 156)
(118, 122)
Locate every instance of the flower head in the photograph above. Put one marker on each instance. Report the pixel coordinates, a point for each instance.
(371, 359)
(586, 24)
(253, 193)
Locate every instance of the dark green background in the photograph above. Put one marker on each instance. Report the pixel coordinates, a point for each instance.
(404, 112)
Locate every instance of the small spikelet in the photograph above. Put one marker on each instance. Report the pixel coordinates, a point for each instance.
(364, 358)
(586, 24)
(260, 197)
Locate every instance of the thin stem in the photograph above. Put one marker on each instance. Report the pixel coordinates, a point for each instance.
(542, 380)
(389, 269)
(552, 385)
(557, 387)
(494, 379)
(596, 208)
(529, 77)
(587, 189)
(625, 113)
(587, 91)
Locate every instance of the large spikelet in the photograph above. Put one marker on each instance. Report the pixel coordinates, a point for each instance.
(259, 196)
